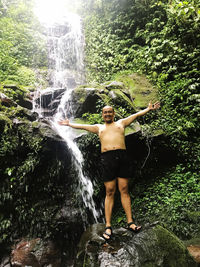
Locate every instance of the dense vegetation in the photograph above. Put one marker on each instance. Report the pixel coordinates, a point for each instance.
(162, 40)
(22, 52)
(22, 47)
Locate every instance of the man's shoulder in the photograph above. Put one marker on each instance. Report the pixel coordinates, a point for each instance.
(120, 121)
(99, 126)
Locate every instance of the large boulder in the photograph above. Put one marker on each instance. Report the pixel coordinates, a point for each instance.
(140, 89)
(152, 246)
(84, 99)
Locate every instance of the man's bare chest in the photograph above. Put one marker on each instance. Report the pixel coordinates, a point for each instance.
(113, 129)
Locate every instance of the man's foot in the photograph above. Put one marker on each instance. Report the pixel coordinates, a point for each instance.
(108, 233)
(133, 228)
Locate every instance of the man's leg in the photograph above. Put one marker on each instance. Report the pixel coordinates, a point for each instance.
(126, 200)
(109, 202)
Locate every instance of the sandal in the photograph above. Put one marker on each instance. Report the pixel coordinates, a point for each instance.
(107, 234)
(136, 230)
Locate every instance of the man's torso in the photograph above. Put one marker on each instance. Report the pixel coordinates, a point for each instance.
(111, 136)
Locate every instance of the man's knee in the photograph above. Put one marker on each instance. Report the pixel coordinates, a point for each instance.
(110, 191)
(123, 189)
(123, 185)
(110, 188)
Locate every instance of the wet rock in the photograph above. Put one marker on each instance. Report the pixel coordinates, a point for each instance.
(152, 246)
(195, 252)
(35, 253)
(25, 103)
(115, 85)
(84, 100)
(6, 101)
(20, 96)
(48, 100)
(5, 262)
(22, 255)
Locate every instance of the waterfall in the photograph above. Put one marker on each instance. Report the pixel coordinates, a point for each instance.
(65, 45)
(65, 48)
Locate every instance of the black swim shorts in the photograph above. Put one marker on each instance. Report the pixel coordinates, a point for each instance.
(115, 163)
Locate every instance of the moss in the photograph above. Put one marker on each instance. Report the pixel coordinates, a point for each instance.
(193, 241)
(4, 118)
(193, 216)
(133, 128)
(105, 98)
(35, 124)
(81, 94)
(140, 89)
(91, 85)
(121, 95)
(168, 242)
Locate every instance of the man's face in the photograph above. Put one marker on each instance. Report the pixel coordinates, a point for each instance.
(108, 114)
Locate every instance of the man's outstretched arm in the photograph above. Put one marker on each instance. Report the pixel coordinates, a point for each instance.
(90, 128)
(127, 121)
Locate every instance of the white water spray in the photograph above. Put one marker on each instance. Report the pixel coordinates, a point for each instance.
(85, 185)
(66, 48)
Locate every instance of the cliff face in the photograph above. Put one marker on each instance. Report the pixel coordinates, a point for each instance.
(38, 182)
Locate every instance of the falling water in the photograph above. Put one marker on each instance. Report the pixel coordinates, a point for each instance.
(65, 52)
(65, 48)
(85, 185)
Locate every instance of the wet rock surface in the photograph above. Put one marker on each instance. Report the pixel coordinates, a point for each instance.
(152, 246)
(195, 252)
(33, 253)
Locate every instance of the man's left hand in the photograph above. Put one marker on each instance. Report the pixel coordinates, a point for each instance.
(154, 106)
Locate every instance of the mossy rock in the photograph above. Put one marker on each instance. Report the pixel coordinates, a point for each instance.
(153, 246)
(128, 92)
(193, 216)
(140, 89)
(173, 249)
(84, 100)
(114, 85)
(4, 119)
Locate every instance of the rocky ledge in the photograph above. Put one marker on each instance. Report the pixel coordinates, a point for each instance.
(152, 246)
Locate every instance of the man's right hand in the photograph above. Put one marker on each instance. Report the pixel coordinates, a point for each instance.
(64, 122)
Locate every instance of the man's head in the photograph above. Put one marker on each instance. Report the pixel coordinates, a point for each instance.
(108, 114)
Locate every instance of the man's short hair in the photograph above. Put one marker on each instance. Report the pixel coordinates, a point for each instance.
(108, 107)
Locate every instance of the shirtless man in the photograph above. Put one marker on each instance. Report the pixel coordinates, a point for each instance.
(114, 160)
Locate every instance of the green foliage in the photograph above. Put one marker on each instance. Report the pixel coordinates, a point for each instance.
(114, 33)
(173, 199)
(94, 118)
(15, 93)
(98, 48)
(158, 38)
(25, 76)
(180, 117)
(8, 64)
(21, 43)
(162, 40)
(29, 192)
